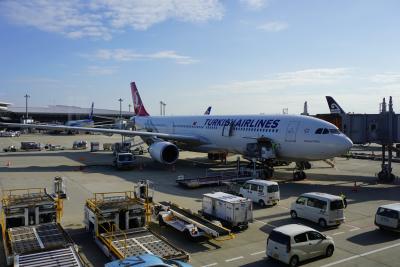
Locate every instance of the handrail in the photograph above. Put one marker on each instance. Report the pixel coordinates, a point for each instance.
(108, 240)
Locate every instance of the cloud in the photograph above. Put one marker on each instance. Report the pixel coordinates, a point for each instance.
(130, 55)
(101, 70)
(386, 77)
(254, 4)
(102, 18)
(273, 26)
(275, 83)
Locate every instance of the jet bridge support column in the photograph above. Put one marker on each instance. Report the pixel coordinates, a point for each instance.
(386, 175)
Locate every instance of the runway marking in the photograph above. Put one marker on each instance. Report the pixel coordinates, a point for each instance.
(234, 259)
(360, 255)
(256, 253)
(211, 264)
(355, 228)
(283, 207)
(338, 233)
(265, 223)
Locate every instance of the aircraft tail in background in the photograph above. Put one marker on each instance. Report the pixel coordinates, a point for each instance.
(208, 111)
(138, 106)
(91, 112)
(334, 106)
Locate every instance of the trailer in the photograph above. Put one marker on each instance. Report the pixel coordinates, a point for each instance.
(192, 225)
(118, 223)
(232, 211)
(219, 177)
(32, 232)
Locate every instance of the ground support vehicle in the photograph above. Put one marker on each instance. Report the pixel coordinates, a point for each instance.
(117, 221)
(31, 146)
(147, 260)
(94, 146)
(10, 149)
(79, 145)
(124, 161)
(232, 211)
(324, 209)
(219, 177)
(121, 147)
(294, 243)
(387, 217)
(262, 192)
(107, 146)
(32, 234)
(191, 224)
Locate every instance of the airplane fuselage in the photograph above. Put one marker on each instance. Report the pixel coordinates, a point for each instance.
(294, 136)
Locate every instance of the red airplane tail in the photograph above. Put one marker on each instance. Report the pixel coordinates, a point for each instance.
(138, 106)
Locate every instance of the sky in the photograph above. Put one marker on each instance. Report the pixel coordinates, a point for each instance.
(238, 56)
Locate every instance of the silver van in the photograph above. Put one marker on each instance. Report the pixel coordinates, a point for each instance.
(387, 217)
(322, 208)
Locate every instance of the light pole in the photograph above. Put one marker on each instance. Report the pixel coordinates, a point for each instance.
(162, 108)
(129, 108)
(26, 105)
(120, 107)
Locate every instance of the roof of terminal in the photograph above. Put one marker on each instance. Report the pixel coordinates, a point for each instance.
(62, 109)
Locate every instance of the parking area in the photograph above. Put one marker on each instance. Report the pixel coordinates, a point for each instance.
(358, 241)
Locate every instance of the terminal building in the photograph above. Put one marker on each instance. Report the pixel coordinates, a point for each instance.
(58, 113)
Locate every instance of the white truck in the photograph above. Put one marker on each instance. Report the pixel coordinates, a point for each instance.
(261, 191)
(232, 211)
(124, 161)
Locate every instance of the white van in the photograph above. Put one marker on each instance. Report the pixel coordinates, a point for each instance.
(324, 209)
(261, 191)
(294, 243)
(387, 217)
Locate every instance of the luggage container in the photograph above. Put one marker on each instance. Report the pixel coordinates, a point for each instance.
(233, 211)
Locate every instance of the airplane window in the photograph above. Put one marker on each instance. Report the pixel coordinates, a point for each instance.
(334, 131)
(326, 131)
(318, 131)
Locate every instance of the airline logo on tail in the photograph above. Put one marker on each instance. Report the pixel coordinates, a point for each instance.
(208, 111)
(138, 106)
(334, 106)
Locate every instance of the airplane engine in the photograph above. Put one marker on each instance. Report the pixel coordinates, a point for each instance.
(164, 152)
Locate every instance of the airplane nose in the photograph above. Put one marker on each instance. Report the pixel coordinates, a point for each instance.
(346, 144)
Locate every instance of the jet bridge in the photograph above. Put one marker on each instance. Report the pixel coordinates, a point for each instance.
(382, 128)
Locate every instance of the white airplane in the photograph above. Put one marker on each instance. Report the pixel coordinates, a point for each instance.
(264, 138)
(83, 123)
(4, 106)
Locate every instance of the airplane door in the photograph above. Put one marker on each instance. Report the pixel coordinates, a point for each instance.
(291, 131)
(227, 130)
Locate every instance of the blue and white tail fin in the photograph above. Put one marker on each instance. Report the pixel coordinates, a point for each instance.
(334, 106)
(91, 112)
(208, 111)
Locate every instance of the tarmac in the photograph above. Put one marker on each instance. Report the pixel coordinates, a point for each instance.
(357, 242)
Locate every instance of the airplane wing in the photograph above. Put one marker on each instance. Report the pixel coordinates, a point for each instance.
(173, 137)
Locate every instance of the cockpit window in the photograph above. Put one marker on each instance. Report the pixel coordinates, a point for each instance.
(334, 131)
(318, 131)
(325, 131)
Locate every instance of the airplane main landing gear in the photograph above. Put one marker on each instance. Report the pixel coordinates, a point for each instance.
(298, 172)
(268, 172)
(299, 175)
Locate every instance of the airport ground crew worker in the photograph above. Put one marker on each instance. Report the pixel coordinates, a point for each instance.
(343, 196)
